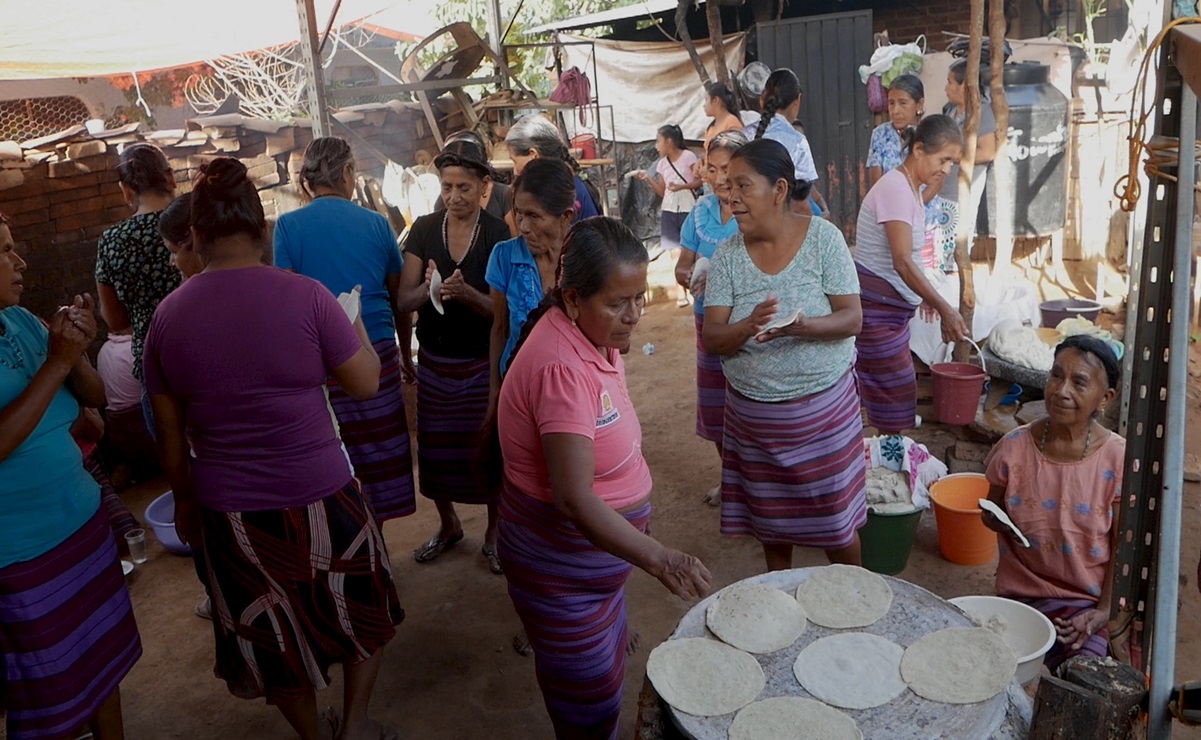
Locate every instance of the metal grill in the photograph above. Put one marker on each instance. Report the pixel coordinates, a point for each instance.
(29, 118)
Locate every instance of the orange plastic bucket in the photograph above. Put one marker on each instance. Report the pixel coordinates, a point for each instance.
(957, 389)
(962, 536)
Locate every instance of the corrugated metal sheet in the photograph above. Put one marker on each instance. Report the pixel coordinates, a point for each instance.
(825, 53)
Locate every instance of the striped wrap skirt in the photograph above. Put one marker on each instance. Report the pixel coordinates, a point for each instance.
(793, 472)
(710, 390)
(295, 591)
(376, 435)
(1097, 644)
(452, 401)
(67, 633)
(570, 596)
(884, 364)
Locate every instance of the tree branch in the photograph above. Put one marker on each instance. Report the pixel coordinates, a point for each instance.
(686, 38)
(1002, 167)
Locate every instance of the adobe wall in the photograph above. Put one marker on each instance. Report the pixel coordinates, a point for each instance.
(61, 191)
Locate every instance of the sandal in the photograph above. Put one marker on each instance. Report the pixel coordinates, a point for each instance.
(435, 547)
(489, 552)
(329, 719)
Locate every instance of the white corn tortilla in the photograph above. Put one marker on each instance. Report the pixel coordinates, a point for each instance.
(959, 666)
(704, 677)
(793, 718)
(844, 596)
(853, 670)
(757, 619)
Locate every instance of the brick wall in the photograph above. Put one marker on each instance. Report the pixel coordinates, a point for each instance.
(906, 21)
(61, 191)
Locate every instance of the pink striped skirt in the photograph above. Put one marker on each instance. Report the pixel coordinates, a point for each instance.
(793, 472)
(710, 390)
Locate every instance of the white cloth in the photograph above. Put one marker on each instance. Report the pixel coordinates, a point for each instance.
(115, 365)
(902, 454)
(647, 83)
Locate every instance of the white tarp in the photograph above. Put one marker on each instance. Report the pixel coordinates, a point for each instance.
(649, 84)
(94, 38)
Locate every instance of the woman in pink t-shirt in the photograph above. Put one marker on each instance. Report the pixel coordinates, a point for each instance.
(1060, 480)
(890, 234)
(575, 502)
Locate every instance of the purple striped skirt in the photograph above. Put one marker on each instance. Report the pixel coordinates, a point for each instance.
(570, 596)
(1097, 644)
(793, 472)
(376, 435)
(884, 364)
(710, 390)
(295, 591)
(452, 400)
(67, 633)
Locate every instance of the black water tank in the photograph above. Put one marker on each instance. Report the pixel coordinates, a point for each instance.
(1038, 149)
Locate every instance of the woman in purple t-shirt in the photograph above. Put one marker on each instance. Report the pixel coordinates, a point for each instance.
(235, 362)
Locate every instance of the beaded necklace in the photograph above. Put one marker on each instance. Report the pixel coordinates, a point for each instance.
(475, 232)
(1088, 439)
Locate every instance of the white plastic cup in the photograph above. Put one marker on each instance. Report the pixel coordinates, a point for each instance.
(94, 125)
(136, 539)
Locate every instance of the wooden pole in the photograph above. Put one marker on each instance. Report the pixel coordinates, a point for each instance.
(713, 18)
(967, 220)
(1002, 166)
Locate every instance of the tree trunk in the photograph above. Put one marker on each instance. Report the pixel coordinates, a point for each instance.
(967, 221)
(686, 38)
(1002, 166)
(713, 17)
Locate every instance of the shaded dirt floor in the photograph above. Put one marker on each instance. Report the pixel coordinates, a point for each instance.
(450, 672)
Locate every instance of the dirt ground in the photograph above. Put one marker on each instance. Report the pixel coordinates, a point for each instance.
(451, 673)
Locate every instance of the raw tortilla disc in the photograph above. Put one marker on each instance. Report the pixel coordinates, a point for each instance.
(704, 677)
(959, 666)
(853, 670)
(793, 718)
(757, 619)
(844, 596)
(435, 294)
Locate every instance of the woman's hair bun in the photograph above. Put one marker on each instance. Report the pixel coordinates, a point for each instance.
(223, 177)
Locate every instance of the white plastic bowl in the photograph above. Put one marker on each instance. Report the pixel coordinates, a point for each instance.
(1027, 630)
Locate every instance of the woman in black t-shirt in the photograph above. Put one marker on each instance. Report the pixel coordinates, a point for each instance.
(446, 256)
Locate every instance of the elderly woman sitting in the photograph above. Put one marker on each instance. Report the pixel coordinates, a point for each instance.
(1059, 479)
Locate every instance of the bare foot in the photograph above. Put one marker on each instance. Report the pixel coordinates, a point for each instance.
(713, 496)
(521, 643)
(633, 642)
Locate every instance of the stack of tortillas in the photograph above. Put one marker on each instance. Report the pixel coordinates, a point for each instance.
(848, 670)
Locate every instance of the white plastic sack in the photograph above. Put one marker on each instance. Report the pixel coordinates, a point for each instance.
(893, 60)
(412, 193)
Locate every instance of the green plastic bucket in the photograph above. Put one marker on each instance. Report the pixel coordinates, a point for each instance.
(887, 539)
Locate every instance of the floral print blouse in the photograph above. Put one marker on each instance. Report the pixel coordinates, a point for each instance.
(132, 259)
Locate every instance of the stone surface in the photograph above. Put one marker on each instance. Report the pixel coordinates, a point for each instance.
(86, 149)
(1032, 411)
(11, 178)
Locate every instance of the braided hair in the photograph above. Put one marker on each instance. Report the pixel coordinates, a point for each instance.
(535, 133)
(782, 90)
(592, 251)
(325, 160)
